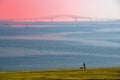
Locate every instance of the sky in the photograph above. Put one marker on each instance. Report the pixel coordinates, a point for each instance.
(17, 9)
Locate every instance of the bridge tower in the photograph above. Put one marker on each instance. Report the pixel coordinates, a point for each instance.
(75, 19)
(51, 19)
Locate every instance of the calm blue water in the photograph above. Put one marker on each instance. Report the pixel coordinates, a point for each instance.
(60, 47)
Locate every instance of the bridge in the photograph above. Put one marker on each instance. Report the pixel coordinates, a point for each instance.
(53, 18)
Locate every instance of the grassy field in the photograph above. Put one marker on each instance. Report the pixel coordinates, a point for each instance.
(105, 73)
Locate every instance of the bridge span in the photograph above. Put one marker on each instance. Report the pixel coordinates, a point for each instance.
(57, 18)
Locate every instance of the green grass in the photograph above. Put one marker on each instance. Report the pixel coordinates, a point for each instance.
(105, 73)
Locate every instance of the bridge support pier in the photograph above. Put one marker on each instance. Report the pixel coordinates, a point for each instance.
(51, 19)
(75, 19)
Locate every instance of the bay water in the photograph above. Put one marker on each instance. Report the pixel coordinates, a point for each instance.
(59, 46)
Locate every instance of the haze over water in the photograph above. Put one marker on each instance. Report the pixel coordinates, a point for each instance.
(60, 46)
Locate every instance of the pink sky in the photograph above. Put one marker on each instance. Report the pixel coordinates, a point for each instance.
(15, 9)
